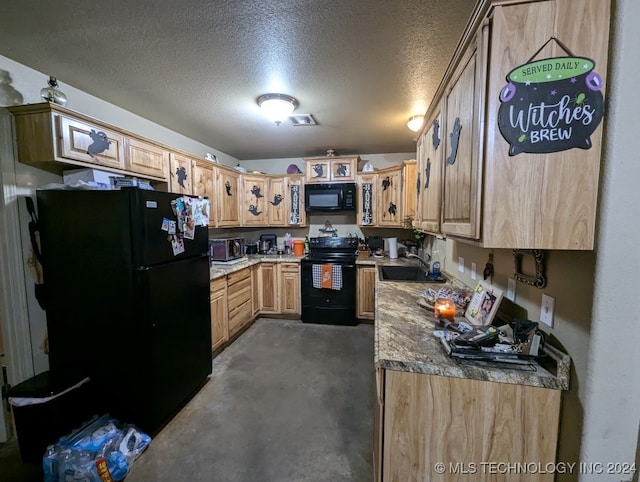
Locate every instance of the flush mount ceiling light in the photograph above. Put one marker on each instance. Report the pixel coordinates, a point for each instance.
(415, 122)
(277, 107)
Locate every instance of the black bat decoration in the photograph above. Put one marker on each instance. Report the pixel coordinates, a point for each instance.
(277, 199)
(392, 209)
(227, 186)
(386, 182)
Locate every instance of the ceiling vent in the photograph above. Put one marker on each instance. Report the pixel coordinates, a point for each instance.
(303, 120)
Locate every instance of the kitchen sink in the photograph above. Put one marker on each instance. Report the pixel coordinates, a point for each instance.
(402, 273)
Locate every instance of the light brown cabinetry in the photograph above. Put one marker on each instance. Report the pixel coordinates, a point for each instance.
(429, 176)
(430, 419)
(227, 198)
(254, 199)
(269, 288)
(277, 202)
(239, 300)
(396, 194)
(366, 199)
(180, 178)
(365, 292)
(290, 299)
(74, 138)
(146, 158)
(255, 289)
(219, 313)
(463, 125)
(501, 199)
(331, 169)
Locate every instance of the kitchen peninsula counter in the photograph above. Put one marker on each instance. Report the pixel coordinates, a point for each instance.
(404, 341)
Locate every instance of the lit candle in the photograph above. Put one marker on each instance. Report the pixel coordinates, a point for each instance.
(444, 308)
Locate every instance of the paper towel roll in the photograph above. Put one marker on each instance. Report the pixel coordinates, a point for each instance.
(393, 247)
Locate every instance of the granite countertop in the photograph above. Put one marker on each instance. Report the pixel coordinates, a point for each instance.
(218, 270)
(404, 341)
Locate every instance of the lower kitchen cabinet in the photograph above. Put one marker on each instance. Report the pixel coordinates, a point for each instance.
(268, 288)
(219, 313)
(365, 293)
(426, 420)
(239, 300)
(255, 289)
(290, 300)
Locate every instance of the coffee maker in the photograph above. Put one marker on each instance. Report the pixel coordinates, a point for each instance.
(268, 244)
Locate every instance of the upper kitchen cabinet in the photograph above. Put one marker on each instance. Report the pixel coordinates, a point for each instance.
(146, 158)
(396, 196)
(54, 138)
(332, 169)
(366, 199)
(429, 176)
(521, 107)
(227, 198)
(295, 204)
(255, 199)
(180, 178)
(464, 107)
(277, 212)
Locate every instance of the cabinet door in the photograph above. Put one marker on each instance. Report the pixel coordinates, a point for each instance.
(239, 300)
(219, 313)
(366, 198)
(202, 184)
(408, 193)
(344, 169)
(431, 166)
(227, 197)
(462, 145)
(180, 180)
(254, 200)
(389, 197)
(269, 288)
(366, 299)
(145, 158)
(290, 288)
(318, 170)
(295, 205)
(277, 202)
(85, 142)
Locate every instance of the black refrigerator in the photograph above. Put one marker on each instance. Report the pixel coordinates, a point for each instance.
(124, 306)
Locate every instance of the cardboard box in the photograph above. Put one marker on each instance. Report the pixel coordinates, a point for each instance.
(90, 176)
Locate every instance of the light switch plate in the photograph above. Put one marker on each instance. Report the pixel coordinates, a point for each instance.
(547, 309)
(511, 290)
(460, 264)
(474, 271)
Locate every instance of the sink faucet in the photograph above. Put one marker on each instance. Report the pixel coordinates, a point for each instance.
(425, 264)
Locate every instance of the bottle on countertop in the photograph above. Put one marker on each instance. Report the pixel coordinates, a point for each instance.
(306, 245)
(435, 263)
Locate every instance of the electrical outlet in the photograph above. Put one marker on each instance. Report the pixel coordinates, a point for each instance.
(460, 264)
(511, 290)
(474, 272)
(547, 309)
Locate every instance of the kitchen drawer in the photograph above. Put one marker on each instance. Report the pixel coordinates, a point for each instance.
(241, 293)
(290, 267)
(219, 284)
(239, 316)
(233, 278)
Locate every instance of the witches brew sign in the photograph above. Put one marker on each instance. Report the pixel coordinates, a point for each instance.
(551, 105)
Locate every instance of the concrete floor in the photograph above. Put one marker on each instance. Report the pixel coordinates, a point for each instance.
(287, 401)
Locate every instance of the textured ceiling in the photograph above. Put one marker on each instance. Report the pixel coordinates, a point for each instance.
(361, 67)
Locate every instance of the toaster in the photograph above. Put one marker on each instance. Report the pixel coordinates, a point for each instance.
(226, 249)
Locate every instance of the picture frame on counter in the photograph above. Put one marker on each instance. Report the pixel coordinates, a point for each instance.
(484, 304)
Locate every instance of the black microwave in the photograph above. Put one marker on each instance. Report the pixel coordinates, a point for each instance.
(330, 197)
